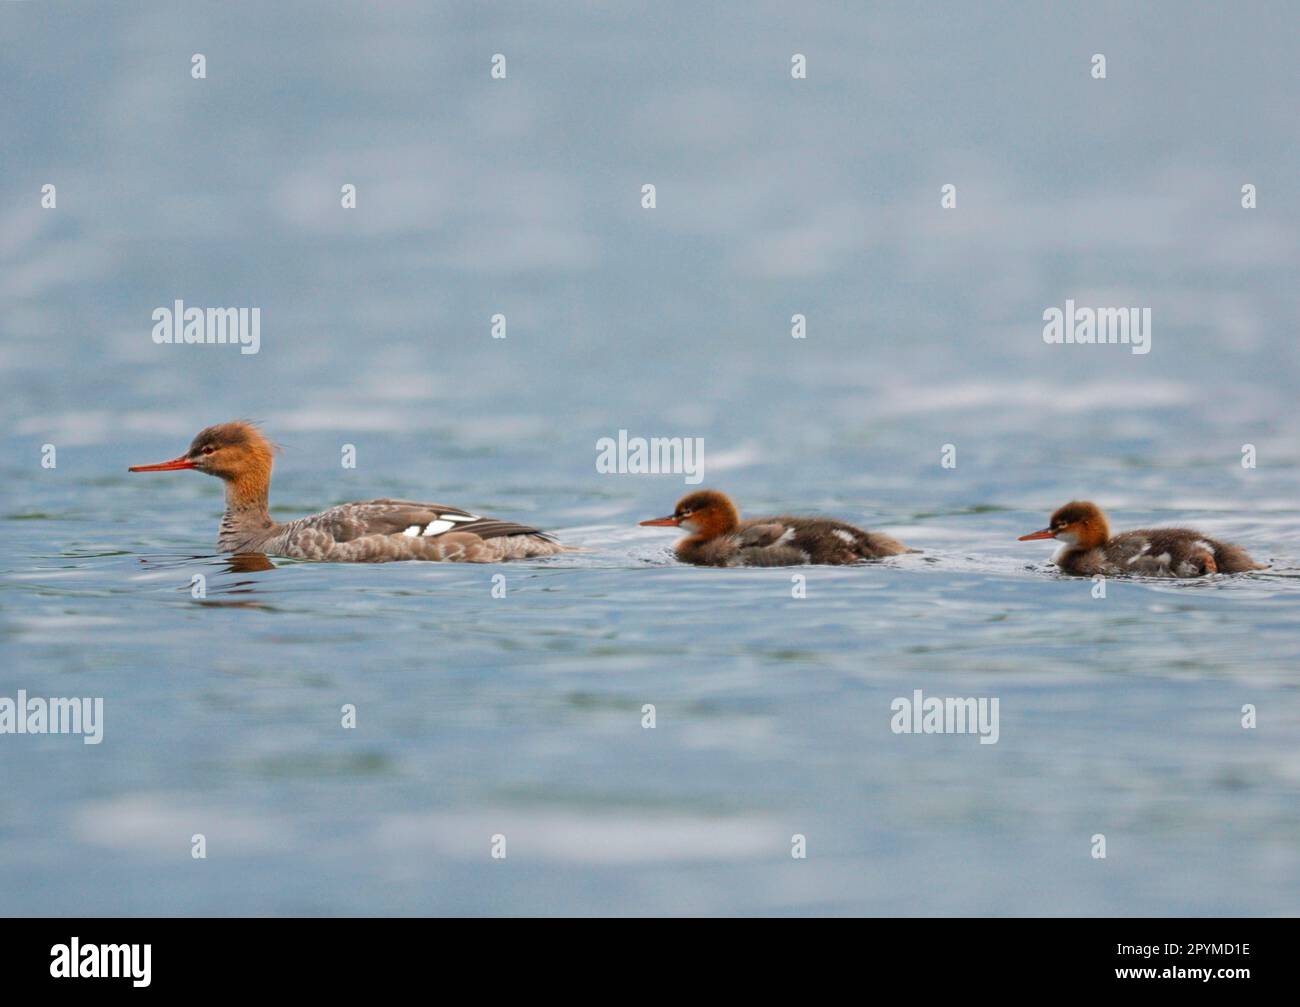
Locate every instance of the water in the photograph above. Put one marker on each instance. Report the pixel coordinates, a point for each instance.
(521, 716)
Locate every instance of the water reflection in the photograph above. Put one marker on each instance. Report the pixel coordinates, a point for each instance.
(248, 562)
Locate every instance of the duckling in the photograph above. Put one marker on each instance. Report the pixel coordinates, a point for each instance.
(1089, 549)
(720, 538)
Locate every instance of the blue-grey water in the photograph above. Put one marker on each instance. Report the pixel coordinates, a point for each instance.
(521, 716)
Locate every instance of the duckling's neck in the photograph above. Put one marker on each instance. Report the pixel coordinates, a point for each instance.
(703, 550)
(708, 529)
(689, 546)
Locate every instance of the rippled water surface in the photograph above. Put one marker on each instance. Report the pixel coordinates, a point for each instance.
(521, 716)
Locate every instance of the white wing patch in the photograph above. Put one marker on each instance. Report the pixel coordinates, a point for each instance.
(443, 523)
(1146, 547)
(844, 536)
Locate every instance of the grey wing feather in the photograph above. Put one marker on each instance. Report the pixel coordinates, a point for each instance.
(396, 517)
(756, 536)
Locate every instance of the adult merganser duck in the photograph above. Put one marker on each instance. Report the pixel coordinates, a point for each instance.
(375, 531)
(719, 538)
(1089, 550)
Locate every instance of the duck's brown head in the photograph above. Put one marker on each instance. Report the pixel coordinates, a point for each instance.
(237, 452)
(1079, 523)
(706, 513)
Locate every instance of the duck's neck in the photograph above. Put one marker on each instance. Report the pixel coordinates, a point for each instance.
(247, 521)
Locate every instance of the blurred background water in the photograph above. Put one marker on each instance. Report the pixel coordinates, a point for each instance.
(522, 715)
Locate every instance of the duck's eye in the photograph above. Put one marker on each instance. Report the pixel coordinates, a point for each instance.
(209, 449)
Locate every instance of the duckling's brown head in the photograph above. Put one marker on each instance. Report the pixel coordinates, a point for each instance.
(707, 513)
(237, 452)
(1079, 523)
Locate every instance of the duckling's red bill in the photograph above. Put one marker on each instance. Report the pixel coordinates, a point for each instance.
(662, 522)
(1045, 533)
(176, 463)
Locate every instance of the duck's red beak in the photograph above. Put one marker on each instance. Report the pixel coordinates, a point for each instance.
(1045, 533)
(176, 463)
(662, 522)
